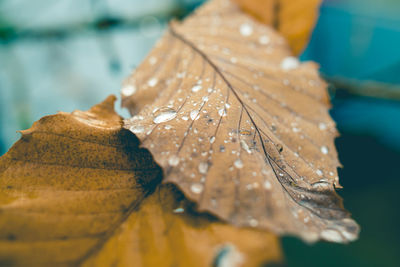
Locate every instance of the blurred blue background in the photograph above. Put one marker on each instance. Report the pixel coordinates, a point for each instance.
(61, 55)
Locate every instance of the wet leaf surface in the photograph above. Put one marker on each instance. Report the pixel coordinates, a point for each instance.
(77, 190)
(240, 125)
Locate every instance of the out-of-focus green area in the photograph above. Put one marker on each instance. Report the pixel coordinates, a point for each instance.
(70, 54)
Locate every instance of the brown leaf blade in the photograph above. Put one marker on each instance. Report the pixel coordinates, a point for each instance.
(240, 126)
(67, 184)
(167, 232)
(77, 190)
(295, 20)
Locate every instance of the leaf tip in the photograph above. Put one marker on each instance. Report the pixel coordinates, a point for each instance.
(344, 231)
(108, 104)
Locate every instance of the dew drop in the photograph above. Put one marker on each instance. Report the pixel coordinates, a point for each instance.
(179, 210)
(197, 188)
(167, 127)
(245, 147)
(194, 114)
(222, 112)
(228, 256)
(264, 39)
(196, 88)
(203, 167)
(246, 29)
(152, 82)
(238, 163)
(173, 161)
(322, 126)
(136, 129)
(290, 63)
(185, 118)
(164, 115)
(267, 185)
(324, 150)
(295, 130)
(331, 235)
(128, 90)
(319, 172)
(181, 75)
(152, 60)
(321, 185)
(253, 223)
(137, 118)
(212, 139)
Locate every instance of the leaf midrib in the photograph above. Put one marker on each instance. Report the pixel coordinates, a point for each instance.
(269, 158)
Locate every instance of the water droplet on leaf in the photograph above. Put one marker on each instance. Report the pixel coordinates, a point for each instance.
(136, 129)
(173, 161)
(238, 163)
(164, 115)
(196, 88)
(290, 63)
(152, 82)
(203, 167)
(128, 90)
(197, 188)
(324, 150)
(246, 29)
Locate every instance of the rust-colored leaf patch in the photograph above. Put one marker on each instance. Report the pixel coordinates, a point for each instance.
(240, 125)
(77, 190)
(295, 20)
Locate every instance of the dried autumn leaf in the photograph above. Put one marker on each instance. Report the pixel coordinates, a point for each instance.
(73, 191)
(240, 126)
(167, 232)
(293, 19)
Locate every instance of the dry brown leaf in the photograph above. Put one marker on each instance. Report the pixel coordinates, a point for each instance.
(240, 126)
(295, 20)
(67, 184)
(167, 232)
(71, 192)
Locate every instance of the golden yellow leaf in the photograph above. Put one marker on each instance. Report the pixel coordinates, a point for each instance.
(240, 126)
(71, 193)
(295, 20)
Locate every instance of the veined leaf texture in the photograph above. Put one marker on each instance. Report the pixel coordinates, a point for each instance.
(240, 125)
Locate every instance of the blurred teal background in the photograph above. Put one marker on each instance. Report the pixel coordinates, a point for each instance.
(70, 54)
